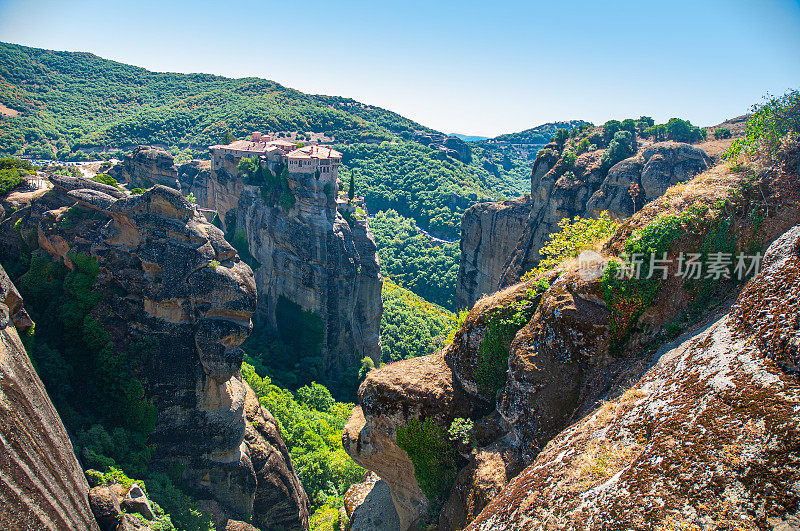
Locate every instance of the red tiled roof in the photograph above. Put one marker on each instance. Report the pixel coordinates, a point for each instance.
(317, 152)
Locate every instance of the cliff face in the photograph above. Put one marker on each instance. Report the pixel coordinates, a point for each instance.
(313, 257)
(310, 255)
(169, 278)
(42, 486)
(494, 259)
(615, 424)
(489, 234)
(706, 439)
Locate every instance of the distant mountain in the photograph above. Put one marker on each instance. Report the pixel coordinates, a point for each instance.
(468, 138)
(65, 101)
(540, 134)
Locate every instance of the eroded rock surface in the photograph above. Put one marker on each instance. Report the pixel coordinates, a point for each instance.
(501, 241)
(619, 426)
(489, 233)
(42, 485)
(706, 439)
(313, 257)
(169, 279)
(145, 167)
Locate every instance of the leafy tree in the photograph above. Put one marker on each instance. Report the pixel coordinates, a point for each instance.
(248, 166)
(629, 124)
(722, 132)
(561, 137)
(311, 424)
(610, 128)
(643, 123)
(9, 180)
(621, 147)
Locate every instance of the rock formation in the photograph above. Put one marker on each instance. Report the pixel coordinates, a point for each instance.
(313, 257)
(42, 485)
(597, 418)
(145, 167)
(309, 254)
(706, 439)
(168, 277)
(491, 260)
(489, 234)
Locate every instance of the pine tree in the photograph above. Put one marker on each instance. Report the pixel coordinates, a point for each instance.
(351, 193)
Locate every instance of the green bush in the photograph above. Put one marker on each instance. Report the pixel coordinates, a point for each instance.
(575, 236)
(502, 325)
(13, 163)
(769, 123)
(722, 132)
(432, 454)
(105, 179)
(9, 179)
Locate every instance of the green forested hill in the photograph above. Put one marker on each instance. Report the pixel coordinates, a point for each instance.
(540, 134)
(73, 100)
(69, 102)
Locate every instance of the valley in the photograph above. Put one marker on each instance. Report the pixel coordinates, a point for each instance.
(263, 309)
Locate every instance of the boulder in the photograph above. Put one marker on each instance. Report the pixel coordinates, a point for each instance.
(136, 502)
(105, 507)
(369, 506)
(145, 167)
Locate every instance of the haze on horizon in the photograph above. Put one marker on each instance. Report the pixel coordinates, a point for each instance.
(467, 67)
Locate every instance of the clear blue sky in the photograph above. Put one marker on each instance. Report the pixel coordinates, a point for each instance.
(470, 67)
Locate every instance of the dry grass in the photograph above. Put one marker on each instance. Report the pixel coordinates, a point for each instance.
(601, 460)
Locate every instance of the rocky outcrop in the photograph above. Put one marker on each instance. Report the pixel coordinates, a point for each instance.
(449, 146)
(706, 439)
(217, 190)
(650, 172)
(42, 485)
(585, 191)
(169, 279)
(145, 167)
(494, 259)
(309, 254)
(313, 257)
(489, 233)
(618, 425)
